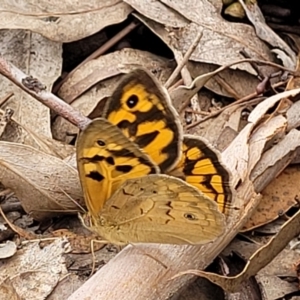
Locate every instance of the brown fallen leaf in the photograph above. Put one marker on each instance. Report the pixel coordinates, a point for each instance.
(79, 243)
(273, 287)
(57, 22)
(27, 111)
(277, 198)
(34, 267)
(193, 17)
(44, 184)
(265, 33)
(280, 266)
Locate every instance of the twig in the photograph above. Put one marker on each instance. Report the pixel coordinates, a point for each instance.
(6, 98)
(184, 60)
(21, 232)
(36, 90)
(238, 102)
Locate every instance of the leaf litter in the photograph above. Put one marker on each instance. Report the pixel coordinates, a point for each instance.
(256, 129)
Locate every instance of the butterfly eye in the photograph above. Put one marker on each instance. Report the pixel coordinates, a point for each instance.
(100, 143)
(132, 101)
(190, 217)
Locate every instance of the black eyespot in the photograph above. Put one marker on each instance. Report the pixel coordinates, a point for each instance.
(141, 189)
(100, 143)
(190, 217)
(132, 101)
(154, 192)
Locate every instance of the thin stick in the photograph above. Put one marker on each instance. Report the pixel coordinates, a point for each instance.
(238, 102)
(34, 88)
(21, 232)
(184, 60)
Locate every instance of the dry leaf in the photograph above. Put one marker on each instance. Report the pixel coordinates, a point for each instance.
(34, 272)
(265, 33)
(31, 52)
(258, 260)
(229, 83)
(42, 143)
(202, 16)
(239, 164)
(273, 287)
(281, 265)
(277, 198)
(62, 21)
(44, 184)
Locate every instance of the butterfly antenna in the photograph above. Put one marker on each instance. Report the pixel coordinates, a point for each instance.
(93, 253)
(73, 200)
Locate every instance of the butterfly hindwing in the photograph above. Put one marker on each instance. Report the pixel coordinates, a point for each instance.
(105, 159)
(142, 109)
(159, 209)
(201, 166)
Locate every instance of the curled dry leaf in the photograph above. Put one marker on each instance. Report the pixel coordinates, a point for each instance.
(241, 144)
(202, 16)
(264, 32)
(187, 92)
(279, 266)
(229, 83)
(258, 260)
(273, 287)
(225, 83)
(44, 184)
(57, 21)
(40, 142)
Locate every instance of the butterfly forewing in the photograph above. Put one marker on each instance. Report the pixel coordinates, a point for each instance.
(201, 166)
(105, 159)
(141, 108)
(160, 209)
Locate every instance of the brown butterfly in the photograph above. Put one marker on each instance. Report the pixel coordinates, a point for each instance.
(142, 109)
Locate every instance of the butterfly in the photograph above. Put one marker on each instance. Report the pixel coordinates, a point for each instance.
(141, 108)
(130, 202)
